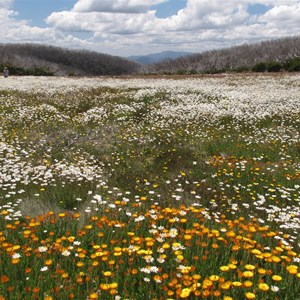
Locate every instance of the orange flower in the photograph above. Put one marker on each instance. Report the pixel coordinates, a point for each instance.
(15, 261)
(104, 286)
(95, 263)
(79, 264)
(79, 280)
(4, 279)
(48, 262)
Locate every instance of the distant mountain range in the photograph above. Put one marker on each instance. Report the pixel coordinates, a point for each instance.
(157, 57)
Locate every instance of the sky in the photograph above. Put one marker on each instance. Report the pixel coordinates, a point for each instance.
(140, 27)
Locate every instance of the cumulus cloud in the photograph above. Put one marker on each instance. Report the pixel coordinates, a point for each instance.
(283, 14)
(207, 14)
(115, 23)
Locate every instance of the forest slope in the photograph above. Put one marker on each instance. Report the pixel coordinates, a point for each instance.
(34, 59)
(272, 55)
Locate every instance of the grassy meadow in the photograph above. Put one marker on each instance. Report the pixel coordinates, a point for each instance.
(150, 188)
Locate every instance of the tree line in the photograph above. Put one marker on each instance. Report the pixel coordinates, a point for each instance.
(267, 56)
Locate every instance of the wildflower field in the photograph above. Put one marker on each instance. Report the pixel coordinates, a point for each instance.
(150, 188)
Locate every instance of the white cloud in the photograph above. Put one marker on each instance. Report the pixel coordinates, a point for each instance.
(207, 14)
(119, 6)
(5, 3)
(283, 15)
(105, 23)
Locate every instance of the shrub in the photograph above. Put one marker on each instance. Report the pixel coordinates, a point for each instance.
(292, 65)
(274, 66)
(260, 67)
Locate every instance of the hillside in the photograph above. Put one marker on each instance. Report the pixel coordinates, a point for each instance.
(33, 59)
(272, 56)
(157, 57)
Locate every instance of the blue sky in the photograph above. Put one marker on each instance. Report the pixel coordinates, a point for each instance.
(36, 11)
(135, 27)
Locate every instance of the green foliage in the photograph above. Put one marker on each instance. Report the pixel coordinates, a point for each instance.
(292, 65)
(260, 67)
(37, 71)
(274, 66)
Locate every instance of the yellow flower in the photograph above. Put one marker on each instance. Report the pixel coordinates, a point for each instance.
(48, 262)
(249, 267)
(113, 285)
(196, 276)
(232, 266)
(236, 283)
(107, 273)
(250, 295)
(276, 259)
(207, 283)
(263, 286)
(185, 293)
(276, 277)
(214, 277)
(187, 237)
(93, 296)
(16, 247)
(104, 286)
(248, 274)
(262, 271)
(226, 285)
(292, 269)
(248, 283)
(224, 268)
